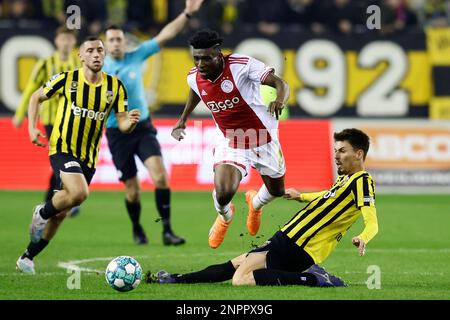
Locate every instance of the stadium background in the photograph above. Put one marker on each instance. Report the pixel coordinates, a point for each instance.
(392, 82)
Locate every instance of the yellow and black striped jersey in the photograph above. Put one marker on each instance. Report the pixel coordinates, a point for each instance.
(319, 226)
(82, 112)
(43, 70)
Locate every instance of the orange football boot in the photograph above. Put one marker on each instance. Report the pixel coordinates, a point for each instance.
(219, 229)
(254, 216)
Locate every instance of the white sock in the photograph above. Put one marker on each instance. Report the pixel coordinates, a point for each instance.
(262, 198)
(224, 211)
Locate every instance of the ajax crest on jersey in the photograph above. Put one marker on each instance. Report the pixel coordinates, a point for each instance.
(123, 273)
(227, 86)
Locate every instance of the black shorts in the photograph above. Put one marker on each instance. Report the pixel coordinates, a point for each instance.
(123, 146)
(64, 162)
(48, 130)
(284, 254)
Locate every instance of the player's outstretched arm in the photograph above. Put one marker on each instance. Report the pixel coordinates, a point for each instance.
(127, 121)
(178, 130)
(174, 27)
(370, 229)
(33, 115)
(294, 194)
(275, 107)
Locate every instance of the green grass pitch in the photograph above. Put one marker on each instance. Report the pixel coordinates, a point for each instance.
(412, 249)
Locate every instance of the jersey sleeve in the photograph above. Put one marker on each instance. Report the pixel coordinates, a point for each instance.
(55, 85)
(192, 82)
(370, 224)
(121, 102)
(310, 196)
(364, 192)
(37, 79)
(258, 71)
(146, 49)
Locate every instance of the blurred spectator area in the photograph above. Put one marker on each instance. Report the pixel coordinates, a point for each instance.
(266, 17)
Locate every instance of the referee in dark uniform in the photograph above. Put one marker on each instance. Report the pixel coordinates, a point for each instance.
(128, 67)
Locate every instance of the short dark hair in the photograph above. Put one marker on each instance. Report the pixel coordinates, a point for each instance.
(113, 27)
(205, 39)
(91, 38)
(357, 139)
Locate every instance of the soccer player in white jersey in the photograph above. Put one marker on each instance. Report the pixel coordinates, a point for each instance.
(246, 129)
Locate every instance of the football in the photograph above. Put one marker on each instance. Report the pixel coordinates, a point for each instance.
(123, 273)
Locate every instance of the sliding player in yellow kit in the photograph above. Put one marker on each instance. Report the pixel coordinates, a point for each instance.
(292, 255)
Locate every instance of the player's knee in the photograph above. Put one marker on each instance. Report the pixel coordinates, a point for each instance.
(160, 181)
(238, 260)
(224, 197)
(133, 194)
(79, 196)
(241, 279)
(132, 190)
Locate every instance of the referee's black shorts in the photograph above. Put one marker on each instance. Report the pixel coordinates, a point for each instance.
(64, 162)
(123, 146)
(284, 254)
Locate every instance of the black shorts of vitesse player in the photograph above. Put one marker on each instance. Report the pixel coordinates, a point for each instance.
(48, 130)
(123, 146)
(284, 254)
(64, 162)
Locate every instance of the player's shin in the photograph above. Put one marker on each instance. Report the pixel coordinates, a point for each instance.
(214, 273)
(49, 210)
(134, 212)
(224, 210)
(162, 197)
(53, 225)
(34, 249)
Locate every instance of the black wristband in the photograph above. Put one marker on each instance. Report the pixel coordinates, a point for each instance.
(187, 15)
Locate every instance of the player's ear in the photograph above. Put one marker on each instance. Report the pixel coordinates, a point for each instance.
(360, 154)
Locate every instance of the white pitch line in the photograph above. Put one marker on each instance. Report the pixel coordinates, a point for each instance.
(21, 274)
(73, 265)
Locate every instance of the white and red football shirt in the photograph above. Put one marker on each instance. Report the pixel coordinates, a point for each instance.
(235, 101)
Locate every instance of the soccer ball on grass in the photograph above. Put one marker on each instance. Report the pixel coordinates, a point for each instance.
(123, 273)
